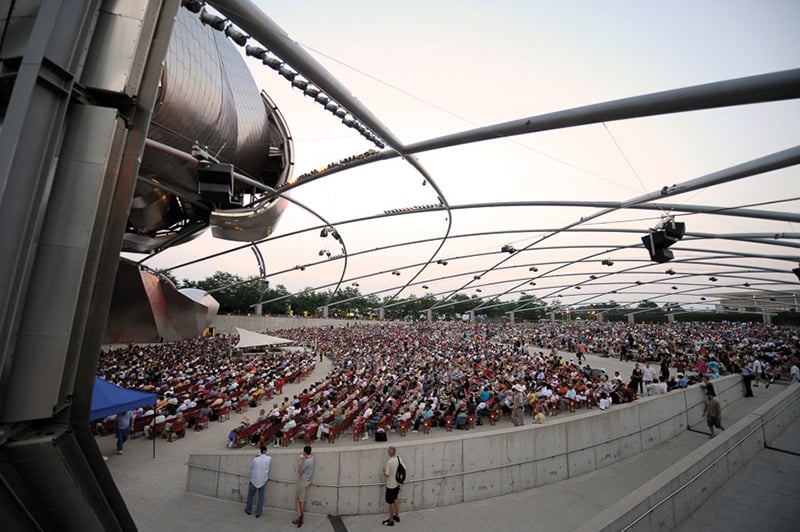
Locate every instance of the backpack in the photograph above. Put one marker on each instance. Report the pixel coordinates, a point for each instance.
(400, 475)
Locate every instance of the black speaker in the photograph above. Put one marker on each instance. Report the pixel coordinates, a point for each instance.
(674, 230)
(656, 244)
(215, 183)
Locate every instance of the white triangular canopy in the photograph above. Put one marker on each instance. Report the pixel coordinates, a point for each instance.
(254, 339)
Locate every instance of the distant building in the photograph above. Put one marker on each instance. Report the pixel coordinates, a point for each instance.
(758, 301)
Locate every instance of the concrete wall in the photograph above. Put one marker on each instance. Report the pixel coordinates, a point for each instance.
(224, 322)
(456, 467)
(672, 496)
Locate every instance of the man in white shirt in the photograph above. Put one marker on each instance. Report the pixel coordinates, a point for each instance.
(259, 473)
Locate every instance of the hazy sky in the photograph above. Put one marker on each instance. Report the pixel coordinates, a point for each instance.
(432, 68)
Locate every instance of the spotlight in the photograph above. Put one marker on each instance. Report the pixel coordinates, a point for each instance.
(533, 269)
(255, 51)
(356, 285)
(335, 235)
(237, 36)
(395, 273)
(702, 299)
(712, 279)
(674, 287)
(324, 232)
(638, 282)
(218, 23)
(508, 248)
(577, 288)
(532, 283)
(322, 252)
(311, 91)
(442, 262)
(592, 277)
(424, 287)
(747, 285)
(273, 62)
(670, 272)
(478, 290)
(193, 5)
(476, 277)
(606, 262)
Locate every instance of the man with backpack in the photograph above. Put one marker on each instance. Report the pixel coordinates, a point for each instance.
(395, 476)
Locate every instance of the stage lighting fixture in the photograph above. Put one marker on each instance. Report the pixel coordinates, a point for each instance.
(533, 269)
(702, 299)
(324, 232)
(508, 248)
(424, 287)
(577, 288)
(670, 272)
(606, 262)
(532, 283)
(592, 277)
(712, 279)
(476, 277)
(674, 287)
(478, 290)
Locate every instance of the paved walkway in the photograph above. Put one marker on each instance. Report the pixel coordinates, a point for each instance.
(154, 489)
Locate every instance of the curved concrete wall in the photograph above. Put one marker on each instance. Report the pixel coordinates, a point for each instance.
(671, 497)
(461, 467)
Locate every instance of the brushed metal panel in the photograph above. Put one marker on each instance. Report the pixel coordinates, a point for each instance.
(108, 67)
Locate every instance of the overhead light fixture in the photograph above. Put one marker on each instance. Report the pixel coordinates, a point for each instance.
(702, 299)
(508, 248)
(712, 279)
(532, 283)
(193, 5)
(442, 262)
(606, 262)
(577, 288)
(395, 273)
(324, 232)
(638, 282)
(255, 51)
(674, 287)
(322, 252)
(356, 285)
(424, 287)
(478, 290)
(670, 272)
(746, 285)
(592, 277)
(476, 277)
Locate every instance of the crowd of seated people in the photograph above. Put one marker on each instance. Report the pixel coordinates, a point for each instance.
(414, 376)
(196, 381)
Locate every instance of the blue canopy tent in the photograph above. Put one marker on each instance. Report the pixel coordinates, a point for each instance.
(109, 399)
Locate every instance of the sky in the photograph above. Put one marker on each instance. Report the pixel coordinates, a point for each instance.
(427, 69)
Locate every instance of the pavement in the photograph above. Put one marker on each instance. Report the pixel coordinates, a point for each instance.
(154, 488)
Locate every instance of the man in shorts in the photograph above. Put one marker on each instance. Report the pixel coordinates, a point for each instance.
(392, 487)
(305, 468)
(713, 413)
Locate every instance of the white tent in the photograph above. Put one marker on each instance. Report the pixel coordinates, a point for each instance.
(254, 339)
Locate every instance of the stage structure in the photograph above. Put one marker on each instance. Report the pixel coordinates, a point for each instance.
(125, 126)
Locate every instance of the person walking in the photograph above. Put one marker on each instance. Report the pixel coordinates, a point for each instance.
(713, 413)
(517, 406)
(123, 423)
(259, 474)
(305, 468)
(392, 487)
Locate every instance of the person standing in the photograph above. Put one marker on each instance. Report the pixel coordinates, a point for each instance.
(305, 468)
(713, 413)
(259, 474)
(648, 374)
(747, 375)
(517, 406)
(123, 423)
(637, 378)
(392, 487)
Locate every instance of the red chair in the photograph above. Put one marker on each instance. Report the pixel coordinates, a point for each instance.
(426, 426)
(178, 428)
(404, 427)
(358, 429)
(471, 420)
(448, 424)
(224, 413)
(201, 422)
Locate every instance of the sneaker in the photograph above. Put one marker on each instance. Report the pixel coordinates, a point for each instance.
(397, 518)
(365, 437)
(119, 452)
(388, 522)
(414, 432)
